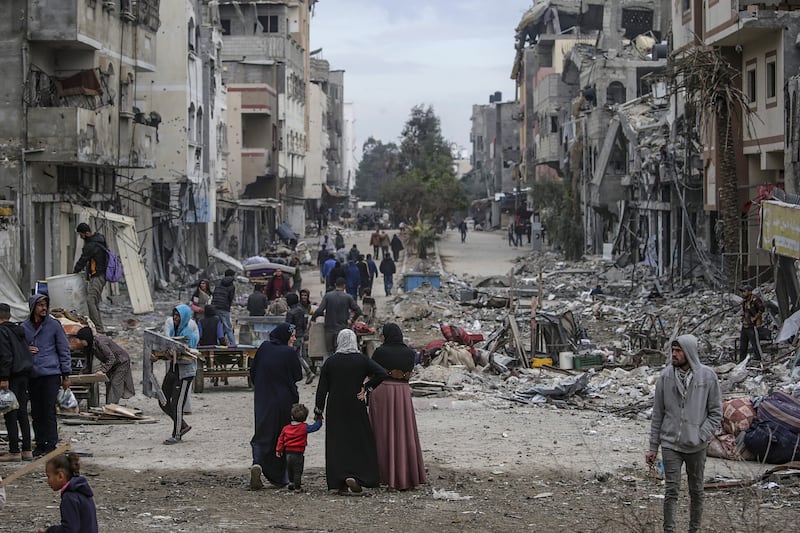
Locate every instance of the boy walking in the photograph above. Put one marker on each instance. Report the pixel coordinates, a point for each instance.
(293, 441)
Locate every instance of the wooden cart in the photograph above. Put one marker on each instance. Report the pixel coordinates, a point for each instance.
(223, 362)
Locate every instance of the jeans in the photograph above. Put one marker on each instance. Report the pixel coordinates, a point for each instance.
(93, 298)
(17, 420)
(294, 465)
(298, 347)
(749, 336)
(695, 466)
(387, 284)
(43, 393)
(225, 316)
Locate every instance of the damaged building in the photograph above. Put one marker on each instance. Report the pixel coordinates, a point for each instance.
(495, 139)
(72, 134)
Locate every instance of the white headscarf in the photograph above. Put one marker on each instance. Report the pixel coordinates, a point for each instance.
(346, 342)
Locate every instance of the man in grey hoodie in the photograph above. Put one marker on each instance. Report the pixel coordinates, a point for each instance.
(687, 411)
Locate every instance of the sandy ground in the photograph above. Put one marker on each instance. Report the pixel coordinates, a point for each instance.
(521, 467)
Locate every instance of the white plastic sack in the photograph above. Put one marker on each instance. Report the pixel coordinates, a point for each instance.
(8, 402)
(66, 399)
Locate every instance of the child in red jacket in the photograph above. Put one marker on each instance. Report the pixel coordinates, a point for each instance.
(293, 440)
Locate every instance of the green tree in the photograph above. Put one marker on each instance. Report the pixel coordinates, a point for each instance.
(560, 211)
(426, 187)
(379, 165)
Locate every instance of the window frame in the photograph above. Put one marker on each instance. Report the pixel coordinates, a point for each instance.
(751, 83)
(771, 63)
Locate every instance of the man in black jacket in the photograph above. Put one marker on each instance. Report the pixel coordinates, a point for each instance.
(222, 299)
(297, 316)
(94, 260)
(16, 363)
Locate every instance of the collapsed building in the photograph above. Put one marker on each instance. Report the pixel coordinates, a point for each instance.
(604, 113)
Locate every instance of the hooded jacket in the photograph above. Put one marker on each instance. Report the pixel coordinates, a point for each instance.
(78, 512)
(94, 257)
(15, 357)
(223, 295)
(686, 423)
(53, 358)
(187, 328)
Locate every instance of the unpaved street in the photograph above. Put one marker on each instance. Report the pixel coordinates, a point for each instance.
(508, 467)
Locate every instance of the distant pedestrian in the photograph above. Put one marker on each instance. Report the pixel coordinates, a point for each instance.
(375, 242)
(223, 297)
(339, 309)
(353, 253)
(385, 242)
(338, 271)
(751, 314)
(373, 271)
(462, 227)
(297, 315)
(297, 277)
(338, 240)
(388, 270)
(292, 442)
(210, 329)
(328, 264)
(512, 239)
(353, 277)
(257, 301)
(93, 260)
(200, 298)
(397, 247)
(687, 411)
(180, 372)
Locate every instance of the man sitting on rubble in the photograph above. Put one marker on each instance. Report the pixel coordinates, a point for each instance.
(687, 412)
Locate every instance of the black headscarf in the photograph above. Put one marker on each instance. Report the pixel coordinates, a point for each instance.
(392, 334)
(292, 299)
(282, 333)
(85, 334)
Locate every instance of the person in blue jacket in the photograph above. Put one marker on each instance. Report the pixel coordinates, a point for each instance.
(353, 277)
(52, 366)
(180, 373)
(78, 511)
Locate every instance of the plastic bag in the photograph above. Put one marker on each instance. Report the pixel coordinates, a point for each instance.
(66, 399)
(8, 401)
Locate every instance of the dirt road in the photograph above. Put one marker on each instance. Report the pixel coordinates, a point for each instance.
(506, 466)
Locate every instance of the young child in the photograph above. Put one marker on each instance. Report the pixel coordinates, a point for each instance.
(78, 512)
(293, 440)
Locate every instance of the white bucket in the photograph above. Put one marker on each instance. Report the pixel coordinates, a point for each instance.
(565, 360)
(68, 291)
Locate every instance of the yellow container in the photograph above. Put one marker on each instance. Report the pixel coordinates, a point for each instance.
(541, 361)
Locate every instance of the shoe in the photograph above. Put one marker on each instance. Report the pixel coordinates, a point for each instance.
(310, 378)
(27, 456)
(185, 430)
(10, 457)
(187, 413)
(353, 485)
(290, 486)
(172, 440)
(255, 478)
(343, 492)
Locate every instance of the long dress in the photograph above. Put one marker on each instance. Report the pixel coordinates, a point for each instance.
(349, 443)
(274, 372)
(391, 413)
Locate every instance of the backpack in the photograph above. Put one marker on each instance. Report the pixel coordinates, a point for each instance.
(114, 267)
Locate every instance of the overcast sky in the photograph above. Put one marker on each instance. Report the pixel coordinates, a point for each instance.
(399, 53)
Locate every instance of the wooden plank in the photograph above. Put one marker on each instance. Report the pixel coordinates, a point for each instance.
(118, 410)
(512, 321)
(86, 379)
(38, 463)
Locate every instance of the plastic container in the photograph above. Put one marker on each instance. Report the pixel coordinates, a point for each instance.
(412, 280)
(583, 361)
(565, 360)
(68, 292)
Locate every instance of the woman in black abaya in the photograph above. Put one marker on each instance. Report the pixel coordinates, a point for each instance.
(351, 460)
(275, 372)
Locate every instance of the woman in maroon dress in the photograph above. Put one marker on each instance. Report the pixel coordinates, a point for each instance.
(392, 415)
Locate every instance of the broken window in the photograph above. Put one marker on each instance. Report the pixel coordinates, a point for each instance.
(592, 19)
(192, 43)
(636, 22)
(772, 74)
(226, 26)
(615, 93)
(553, 124)
(686, 4)
(190, 123)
